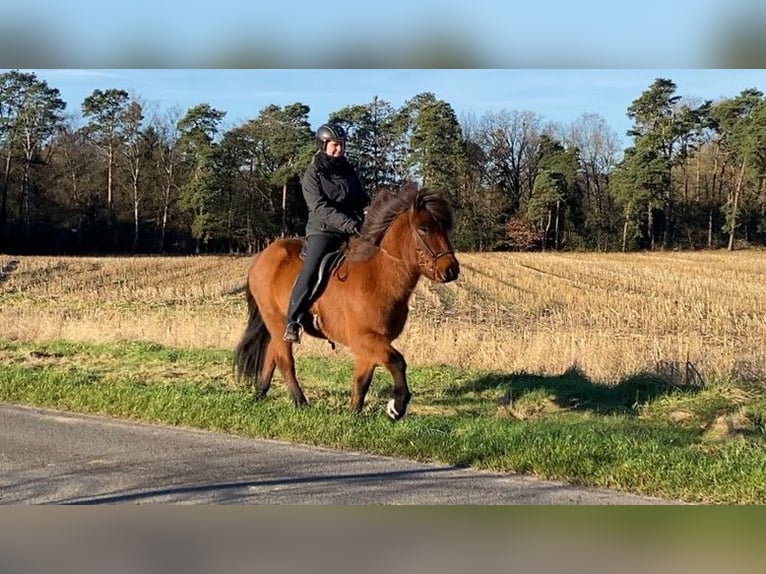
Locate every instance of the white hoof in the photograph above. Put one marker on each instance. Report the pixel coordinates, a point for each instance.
(391, 411)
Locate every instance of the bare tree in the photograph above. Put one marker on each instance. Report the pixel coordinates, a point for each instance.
(166, 128)
(136, 148)
(509, 141)
(75, 155)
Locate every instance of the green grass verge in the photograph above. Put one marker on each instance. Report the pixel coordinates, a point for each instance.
(641, 435)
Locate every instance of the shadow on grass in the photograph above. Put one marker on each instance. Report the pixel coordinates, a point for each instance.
(573, 390)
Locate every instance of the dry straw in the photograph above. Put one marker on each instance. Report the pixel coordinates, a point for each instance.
(610, 315)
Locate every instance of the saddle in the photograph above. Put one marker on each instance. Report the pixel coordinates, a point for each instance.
(329, 263)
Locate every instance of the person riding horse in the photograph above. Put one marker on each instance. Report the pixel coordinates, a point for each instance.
(364, 308)
(336, 201)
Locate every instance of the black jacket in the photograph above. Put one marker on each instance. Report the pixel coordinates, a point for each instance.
(334, 196)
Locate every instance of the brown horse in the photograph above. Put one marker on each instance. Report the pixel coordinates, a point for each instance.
(365, 303)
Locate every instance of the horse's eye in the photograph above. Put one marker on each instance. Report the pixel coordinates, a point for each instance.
(423, 230)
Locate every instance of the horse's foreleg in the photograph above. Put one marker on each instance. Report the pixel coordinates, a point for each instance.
(397, 407)
(378, 350)
(363, 370)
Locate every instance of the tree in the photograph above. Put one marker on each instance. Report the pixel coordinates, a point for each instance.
(547, 195)
(375, 142)
(741, 123)
(555, 187)
(165, 127)
(106, 110)
(694, 204)
(32, 112)
(657, 130)
(635, 187)
(436, 144)
(509, 141)
(136, 151)
(198, 129)
(599, 153)
(74, 161)
(478, 228)
(271, 153)
(694, 174)
(11, 97)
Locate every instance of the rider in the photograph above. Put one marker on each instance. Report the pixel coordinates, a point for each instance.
(336, 201)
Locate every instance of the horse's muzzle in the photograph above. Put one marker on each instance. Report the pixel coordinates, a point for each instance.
(451, 272)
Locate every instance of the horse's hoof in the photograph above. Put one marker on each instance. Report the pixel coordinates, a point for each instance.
(391, 410)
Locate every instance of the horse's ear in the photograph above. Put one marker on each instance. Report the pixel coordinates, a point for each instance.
(408, 188)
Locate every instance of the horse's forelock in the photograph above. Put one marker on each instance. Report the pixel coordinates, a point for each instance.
(439, 208)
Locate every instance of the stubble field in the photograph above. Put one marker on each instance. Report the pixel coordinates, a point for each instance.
(693, 316)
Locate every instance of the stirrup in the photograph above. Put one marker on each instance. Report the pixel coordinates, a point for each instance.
(292, 332)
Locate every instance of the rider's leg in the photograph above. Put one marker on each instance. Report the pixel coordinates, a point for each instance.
(316, 248)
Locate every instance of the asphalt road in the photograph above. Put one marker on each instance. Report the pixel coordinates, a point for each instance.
(50, 457)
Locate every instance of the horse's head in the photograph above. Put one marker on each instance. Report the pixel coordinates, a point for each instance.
(431, 219)
(413, 223)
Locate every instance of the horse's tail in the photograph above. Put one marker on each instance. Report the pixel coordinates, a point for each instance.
(251, 349)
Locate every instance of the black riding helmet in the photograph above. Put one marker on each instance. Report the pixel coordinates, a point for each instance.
(327, 132)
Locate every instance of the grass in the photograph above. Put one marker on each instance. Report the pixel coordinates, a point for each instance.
(700, 443)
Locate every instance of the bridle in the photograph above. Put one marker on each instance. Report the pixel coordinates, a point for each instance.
(425, 252)
(427, 258)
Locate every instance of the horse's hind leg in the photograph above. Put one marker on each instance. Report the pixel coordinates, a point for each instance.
(283, 356)
(267, 372)
(363, 371)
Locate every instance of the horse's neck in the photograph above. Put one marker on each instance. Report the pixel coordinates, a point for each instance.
(396, 272)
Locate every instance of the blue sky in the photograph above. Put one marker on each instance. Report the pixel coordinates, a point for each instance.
(560, 95)
(307, 33)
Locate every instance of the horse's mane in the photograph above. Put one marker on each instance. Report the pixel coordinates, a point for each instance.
(386, 205)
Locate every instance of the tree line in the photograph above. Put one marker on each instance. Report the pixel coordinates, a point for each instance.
(121, 176)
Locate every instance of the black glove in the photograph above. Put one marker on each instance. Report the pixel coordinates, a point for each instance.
(354, 227)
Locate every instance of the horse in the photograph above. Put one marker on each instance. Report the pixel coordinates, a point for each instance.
(365, 301)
